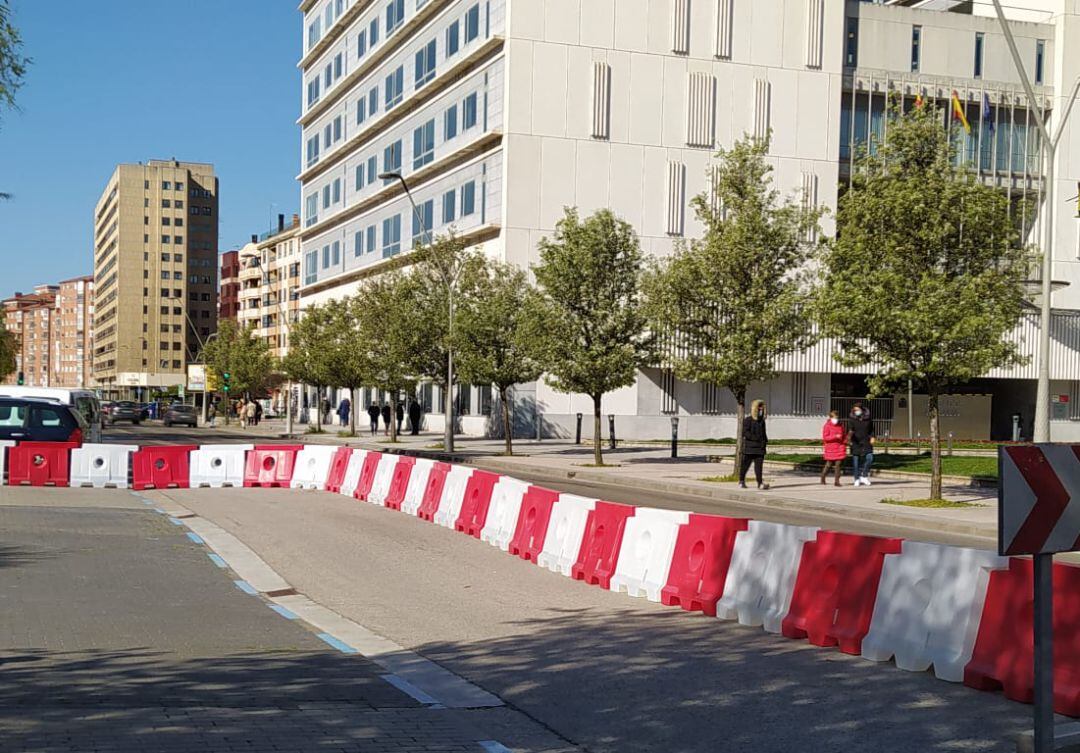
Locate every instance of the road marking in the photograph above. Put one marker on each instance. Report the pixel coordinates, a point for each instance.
(216, 559)
(287, 614)
(493, 746)
(341, 646)
(408, 688)
(195, 537)
(244, 586)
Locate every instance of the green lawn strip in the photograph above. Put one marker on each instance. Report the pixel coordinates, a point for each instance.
(924, 444)
(720, 479)
(936, 503)
(975, 467)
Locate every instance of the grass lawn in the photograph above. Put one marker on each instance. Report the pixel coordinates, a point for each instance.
(975, 467)
(925, 503)
(925, 443)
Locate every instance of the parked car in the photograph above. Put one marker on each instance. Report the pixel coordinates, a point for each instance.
(28, 419)
(83, 401)
(178, 413)
(126, 410)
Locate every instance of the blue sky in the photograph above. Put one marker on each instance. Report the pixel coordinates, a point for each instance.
(98, 93)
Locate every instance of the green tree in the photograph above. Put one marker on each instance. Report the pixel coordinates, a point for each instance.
(592, 336)
(12, 62)
(348, 361)
(308, 360)
(735, 299)
(8, 347)
(925, 277)
(494, 338)
(236, 351)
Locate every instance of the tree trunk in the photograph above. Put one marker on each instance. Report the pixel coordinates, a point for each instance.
(318, 408)
(598, 457)
(352, 411)
(935, 444)
(395, 394)
(740, 415)
(507, 431)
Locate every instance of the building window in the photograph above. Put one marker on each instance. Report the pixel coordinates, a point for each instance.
(310, 272)
(394, 87)
(472, 23)
(453, 41)
(337, 190)
(358, 243)
(337, 129)
(373, 33)
(468, 112)
(450, 123)
(468, 198)
(327, 136)
(361, 44)
(312, 153)
(373, 101)
(464, 400)
(165, 238)
(424, 144)
(425, 64)
(314, 32)
(166, 221)
(851, 55)
(337, 66)
(978, 54)
(313, 91)
(178, 239)
(449, 206)
(391, 231)
(395, 15)
(421, 231)
(916, 45)
(361, 110)
(392, 159)
(311, 213)
(360, 176)
(1040, 55)
(335, 253)
(370, 233)
(326, 256)
(372, 168)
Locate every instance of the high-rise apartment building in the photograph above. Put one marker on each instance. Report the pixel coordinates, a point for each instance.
(30, 318)
(155, 273)
(73, 336)
(500, 113)
(229, 295)
(269, 297)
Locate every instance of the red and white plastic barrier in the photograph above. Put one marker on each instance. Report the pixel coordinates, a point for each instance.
(503, 512)
(312, 466)
(352, 473)
(384, 475)
(647, 549)
(101, 465)
(418, 478)
(453, 495)
(565, 532)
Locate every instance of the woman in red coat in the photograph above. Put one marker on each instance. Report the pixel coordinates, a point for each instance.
(834, 440)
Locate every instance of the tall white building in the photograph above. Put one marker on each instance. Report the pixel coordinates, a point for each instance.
(500, 113)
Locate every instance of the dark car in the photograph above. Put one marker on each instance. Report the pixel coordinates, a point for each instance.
(126, 410)
(178, 413)
(37, 420)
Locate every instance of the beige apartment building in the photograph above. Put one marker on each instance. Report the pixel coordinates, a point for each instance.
(73, 336)
(269, 295)
(155, 273)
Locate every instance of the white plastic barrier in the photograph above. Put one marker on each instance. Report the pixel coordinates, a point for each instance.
(218, 465)
(313, 466)
(414, 492)
(453, 494)
(761, 577)
(384, 476)
(647, 548)
(352, 472)
(4, 444)
(929, 603)
(566, 527)
(101, 465)
(503, 512)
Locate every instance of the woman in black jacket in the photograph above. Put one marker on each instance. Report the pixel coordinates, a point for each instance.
(755, 441)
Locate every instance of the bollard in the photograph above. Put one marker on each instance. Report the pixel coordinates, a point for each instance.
(611, 430)
(950, 444)
(539, 427)
(918, 442)
(886, 442)
(674, 436)
(578, 440)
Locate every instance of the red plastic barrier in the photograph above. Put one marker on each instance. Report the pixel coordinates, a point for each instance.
(399, 482)
(271, 465)
(433, 491)
(532, 523)
(700, 563)
(474, 507)
(40, 463)
(161, 467)
(600, 545)
(1004, 649)
(835, 589)
(367, 475)
(338, 466)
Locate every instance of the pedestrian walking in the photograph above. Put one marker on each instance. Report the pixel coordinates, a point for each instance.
(415, 413)
(386, 417)
(373, 418)
(211, 414)
(241, 412)
(343, 411)
(834, 446)
(862, 437)
(250, 411)
(400, 415)
(258, 411)
(755, 442)
(325, 410)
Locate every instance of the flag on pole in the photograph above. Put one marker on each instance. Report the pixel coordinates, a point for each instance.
(958, 112)
(987, 114)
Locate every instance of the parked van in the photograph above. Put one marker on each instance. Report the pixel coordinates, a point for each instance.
(83, 401)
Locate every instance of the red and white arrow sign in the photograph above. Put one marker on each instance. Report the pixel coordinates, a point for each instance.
(1039, 499)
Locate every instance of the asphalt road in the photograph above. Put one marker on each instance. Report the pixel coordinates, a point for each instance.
(605, 672)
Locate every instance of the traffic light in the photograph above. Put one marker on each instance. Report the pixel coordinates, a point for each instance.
(225, 378)
(21, 379)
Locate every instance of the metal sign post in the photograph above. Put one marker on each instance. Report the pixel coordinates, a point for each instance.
(1044, 653)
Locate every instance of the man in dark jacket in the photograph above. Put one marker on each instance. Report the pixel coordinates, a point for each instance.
(386, 417)
(755, 442)
(861, 433)
(414, 416)
(373, 418)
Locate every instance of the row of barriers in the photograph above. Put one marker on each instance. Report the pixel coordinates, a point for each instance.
(966, 613)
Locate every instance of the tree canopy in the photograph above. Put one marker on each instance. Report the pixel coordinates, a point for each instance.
(236, 351)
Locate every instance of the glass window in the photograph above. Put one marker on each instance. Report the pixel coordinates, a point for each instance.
(328, 76)
(310, 272)
(326, 196)
(312, 152)
(450, 123)
(313, 91)
(361, 110)
(916, 44)
(424, 144)
(166, 185)
(311, 212)
(464, 400)
(851, 55)
(314, 32)
(468, 198)
(335, 253)
(449, 207)
(370, 233)
(425, 212)
(361, 44)
(358, 243)
(978, 54)
(468, 109)
(395, 15)
(394, 87)
(372, 168)
(337, 66)
(327, 136)
(453, 41)
(392, 159)
(373, 100)
(359, 176)
(337, 190)
(326, 256)
(391, 230)
(373, 32)
(425, 64)
(472, 23)
(1040, 54)
(337, 129)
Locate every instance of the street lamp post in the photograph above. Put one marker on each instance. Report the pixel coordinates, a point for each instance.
(1042, 394)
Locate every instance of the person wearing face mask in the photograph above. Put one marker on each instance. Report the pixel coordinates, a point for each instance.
(861, 435)
(834, 444)
(755, 439)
